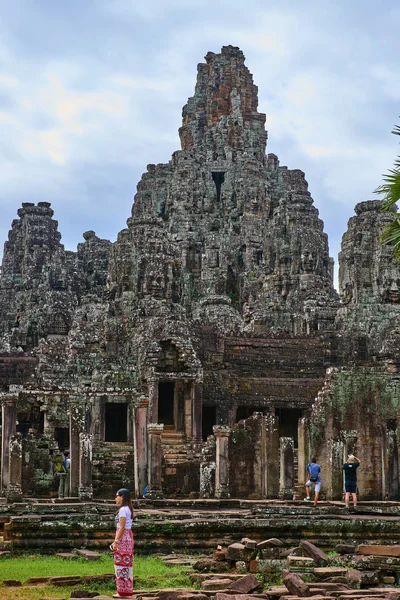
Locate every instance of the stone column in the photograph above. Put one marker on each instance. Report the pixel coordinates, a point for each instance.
(14, 487)
(188, 404)
(140, 415)
(74, 442)
(221, 433)
(197, 435)
(153, 401)
(271, 465)
(9, 428)
(302, 451)
(286, 478)
(85, 463)
(332, 473)
(155, 460)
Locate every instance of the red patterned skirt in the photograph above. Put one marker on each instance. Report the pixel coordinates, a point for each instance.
(123, 560)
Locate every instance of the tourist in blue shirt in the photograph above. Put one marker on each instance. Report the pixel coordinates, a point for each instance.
(313, 479)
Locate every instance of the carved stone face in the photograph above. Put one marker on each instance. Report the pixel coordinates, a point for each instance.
(309, 261)
(390, 289)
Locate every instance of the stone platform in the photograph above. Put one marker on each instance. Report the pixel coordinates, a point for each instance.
(193, 525)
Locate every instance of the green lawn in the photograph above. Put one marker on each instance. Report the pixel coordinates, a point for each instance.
(149, 573)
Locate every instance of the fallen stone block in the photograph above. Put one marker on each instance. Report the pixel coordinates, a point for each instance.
(353, 577)
(244, 585)
(275, 592)
(220, 554)
(12, 582)
(388, 580)
(260, 565)
(323, 572)
(238, 551)
(295, 584)
(215, 584)
(38, 580)
(369, 550)
(206, 564)
(248, 543)
(5, 554)
(65, 580)
(83, 594)
(272, 553)
(241, 567)
(302, 563)
(271, 543)
(320, 558)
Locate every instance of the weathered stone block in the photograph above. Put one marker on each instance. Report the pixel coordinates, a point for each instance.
(215, 584)
(241, 566)
(270, 543)
(206, 564)
(244, 585)
(238, 551)
(320, 558)
(353, 577)
(249, 544)
(377, 550)
(300, 562)
(296, 585)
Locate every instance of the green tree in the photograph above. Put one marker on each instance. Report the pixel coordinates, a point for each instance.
(390, 190)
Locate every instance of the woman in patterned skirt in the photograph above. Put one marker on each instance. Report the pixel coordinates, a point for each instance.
(122, 546)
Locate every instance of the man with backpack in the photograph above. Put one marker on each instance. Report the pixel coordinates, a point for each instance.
(62, 465)
(314, 479)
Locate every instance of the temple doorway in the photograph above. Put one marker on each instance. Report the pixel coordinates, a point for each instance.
(288, 422)
(62, 437)
(166, 402)
(209, 419)
(116, 422)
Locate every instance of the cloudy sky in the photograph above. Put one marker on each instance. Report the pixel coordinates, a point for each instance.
(91, 91)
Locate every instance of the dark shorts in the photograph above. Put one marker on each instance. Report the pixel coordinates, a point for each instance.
(350, 486)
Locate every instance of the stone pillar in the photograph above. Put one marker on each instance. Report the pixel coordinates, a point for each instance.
(9, 428)
(14, 487)
(221, 433)
(85, 463)
(197, 435)
(302, 451)
(155, 460)
(188, 403)
(74, 442)
(271, 465)
(286, 477)
(153, 401)
(140, 415)
(332, 473)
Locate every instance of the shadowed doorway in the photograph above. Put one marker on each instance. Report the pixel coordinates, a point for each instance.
(166, 396)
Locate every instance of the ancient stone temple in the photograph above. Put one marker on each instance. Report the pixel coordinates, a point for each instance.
(206, 351)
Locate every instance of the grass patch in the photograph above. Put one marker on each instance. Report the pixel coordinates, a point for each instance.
(149, 572)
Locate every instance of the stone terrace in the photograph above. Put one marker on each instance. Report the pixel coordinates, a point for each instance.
(194, 525)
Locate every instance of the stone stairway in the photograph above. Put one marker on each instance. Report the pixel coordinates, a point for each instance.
(174, 447)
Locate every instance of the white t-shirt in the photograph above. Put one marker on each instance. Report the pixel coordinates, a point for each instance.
(125, 511)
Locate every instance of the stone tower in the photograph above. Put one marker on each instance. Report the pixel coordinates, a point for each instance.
(215, 302)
